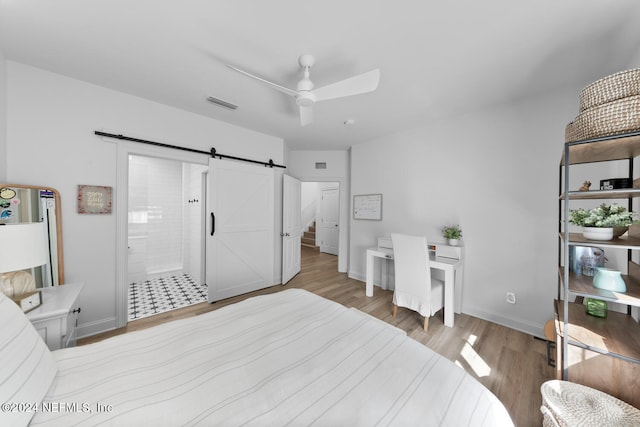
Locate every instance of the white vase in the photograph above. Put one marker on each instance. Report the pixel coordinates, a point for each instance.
(609, 280)
(603, 233)
(453, 242)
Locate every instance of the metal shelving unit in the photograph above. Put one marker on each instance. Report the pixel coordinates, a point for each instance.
(618, 335)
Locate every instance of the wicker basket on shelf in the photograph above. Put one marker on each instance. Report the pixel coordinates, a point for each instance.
(609, 106)
(611, 88)
(611, 118)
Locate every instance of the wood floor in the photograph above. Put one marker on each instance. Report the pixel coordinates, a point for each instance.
(511, 364)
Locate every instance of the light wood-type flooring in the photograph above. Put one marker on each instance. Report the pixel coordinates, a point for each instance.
(511, 364)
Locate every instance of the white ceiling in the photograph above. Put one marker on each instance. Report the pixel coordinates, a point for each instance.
(436, 58)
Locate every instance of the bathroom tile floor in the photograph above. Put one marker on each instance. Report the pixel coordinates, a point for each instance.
(150, 297)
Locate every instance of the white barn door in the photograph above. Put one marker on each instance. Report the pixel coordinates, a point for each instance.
(291, 227)
(240, 229)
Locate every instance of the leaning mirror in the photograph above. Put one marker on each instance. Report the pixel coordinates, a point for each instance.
(23, 204)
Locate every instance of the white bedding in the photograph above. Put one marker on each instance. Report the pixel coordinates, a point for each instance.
(289, 358)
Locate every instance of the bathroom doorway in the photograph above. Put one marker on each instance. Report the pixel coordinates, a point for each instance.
(165, 238)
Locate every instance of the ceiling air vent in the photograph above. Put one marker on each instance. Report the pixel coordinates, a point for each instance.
(221, 103)
(321, 165)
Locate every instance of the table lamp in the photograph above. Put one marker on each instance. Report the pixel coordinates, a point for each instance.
(22, 246)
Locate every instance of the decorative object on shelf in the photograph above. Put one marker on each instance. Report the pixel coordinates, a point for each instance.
(603, 233)
(615, 183)
(609, 106)
(93, 199)
(452, 233)
(585, 186)
(616, 86)
(604, 222)
(584, 260)
(596, 307)
(609, 280)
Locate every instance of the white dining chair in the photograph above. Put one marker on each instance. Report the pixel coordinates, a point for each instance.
(414, 287)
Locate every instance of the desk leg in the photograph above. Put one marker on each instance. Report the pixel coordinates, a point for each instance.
(449, 284)
(384, 279)
(369, 287)
(459, 274)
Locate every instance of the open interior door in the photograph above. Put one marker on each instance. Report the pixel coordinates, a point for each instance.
(240, 228)
(291, 227)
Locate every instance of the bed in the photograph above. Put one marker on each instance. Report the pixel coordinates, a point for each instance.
(289, 358)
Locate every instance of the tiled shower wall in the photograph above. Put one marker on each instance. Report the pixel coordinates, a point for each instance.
(159, 219)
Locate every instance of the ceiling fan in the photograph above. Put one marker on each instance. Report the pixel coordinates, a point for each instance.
(306, 95)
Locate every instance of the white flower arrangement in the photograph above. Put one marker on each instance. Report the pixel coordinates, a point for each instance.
(603, 216)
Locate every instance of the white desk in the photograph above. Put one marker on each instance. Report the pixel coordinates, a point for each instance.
(453, 271)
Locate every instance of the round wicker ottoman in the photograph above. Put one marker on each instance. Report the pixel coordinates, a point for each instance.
(568, 404)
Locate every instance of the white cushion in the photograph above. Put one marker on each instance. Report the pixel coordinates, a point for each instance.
(27, 367)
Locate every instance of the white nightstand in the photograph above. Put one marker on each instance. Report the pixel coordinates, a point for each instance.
(57, 317)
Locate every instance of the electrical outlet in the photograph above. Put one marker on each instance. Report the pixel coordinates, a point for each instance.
(511, 297)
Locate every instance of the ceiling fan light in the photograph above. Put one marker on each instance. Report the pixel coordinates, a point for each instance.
(305, 99)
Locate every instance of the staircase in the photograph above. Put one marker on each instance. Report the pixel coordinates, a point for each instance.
(308, 239)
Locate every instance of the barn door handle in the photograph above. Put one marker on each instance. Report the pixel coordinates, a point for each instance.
(213, 223)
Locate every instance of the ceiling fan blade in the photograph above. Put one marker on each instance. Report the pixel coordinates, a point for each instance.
(362, 83)
(273, 85)
(306, 115)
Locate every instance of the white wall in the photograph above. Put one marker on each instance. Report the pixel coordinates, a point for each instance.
(301, 165)
(51, 121)
(3, 118)
(495, 173)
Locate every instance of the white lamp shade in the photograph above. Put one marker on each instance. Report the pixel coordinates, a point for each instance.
(23, 246)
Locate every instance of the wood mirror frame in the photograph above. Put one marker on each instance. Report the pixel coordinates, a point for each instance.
(55, 241)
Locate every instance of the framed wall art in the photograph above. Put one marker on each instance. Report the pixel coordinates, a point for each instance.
(367, 206)
(93, 199)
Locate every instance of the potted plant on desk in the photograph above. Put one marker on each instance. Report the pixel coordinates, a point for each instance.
(604, 222)
(452, 233)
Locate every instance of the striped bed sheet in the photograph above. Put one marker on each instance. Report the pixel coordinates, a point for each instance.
(290, 358)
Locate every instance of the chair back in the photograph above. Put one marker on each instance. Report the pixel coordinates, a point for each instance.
(412, 272)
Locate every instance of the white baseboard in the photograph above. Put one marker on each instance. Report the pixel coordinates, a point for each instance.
(357, 276)
(525, 327)
(93, 328)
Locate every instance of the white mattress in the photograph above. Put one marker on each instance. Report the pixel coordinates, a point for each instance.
(289, 358)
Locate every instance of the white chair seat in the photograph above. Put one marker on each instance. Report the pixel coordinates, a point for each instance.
(417, 303)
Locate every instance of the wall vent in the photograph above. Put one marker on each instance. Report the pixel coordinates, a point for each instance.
(221, 103)
(321, 165)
